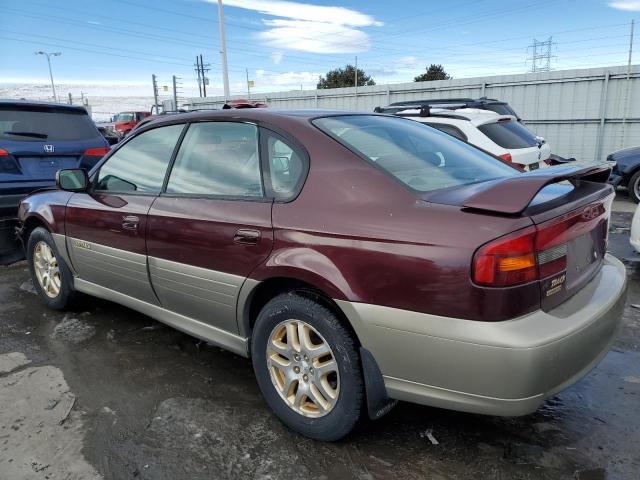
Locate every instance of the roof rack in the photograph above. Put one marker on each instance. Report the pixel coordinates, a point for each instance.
(482, 103)
(425, 110)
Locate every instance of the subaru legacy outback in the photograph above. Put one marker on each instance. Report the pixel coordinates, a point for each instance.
(358, 259)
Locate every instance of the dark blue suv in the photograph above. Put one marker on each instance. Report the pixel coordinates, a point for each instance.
(36, 140)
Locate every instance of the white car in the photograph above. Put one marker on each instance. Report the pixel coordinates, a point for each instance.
(634, 239)
(501, 135)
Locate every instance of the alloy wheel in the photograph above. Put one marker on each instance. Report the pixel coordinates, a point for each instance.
(47, 269)
(303, 368)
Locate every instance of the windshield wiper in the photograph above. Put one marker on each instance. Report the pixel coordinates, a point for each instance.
(28, 134)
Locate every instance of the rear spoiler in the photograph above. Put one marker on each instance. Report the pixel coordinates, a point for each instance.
(512, 195)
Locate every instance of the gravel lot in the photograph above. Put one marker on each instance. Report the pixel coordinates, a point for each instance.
(105, 392)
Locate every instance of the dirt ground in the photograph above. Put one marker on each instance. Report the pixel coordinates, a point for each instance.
(105, 392)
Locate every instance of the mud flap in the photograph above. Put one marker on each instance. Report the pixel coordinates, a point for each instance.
(378, 402)
(10, 249)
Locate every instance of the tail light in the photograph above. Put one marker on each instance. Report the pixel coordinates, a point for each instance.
(3, 153)
(536, 252)
(508, 158)
(96, 152)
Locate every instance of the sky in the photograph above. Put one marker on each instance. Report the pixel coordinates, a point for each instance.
(113, 46)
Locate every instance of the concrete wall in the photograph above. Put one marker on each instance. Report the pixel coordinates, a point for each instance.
(586, 113)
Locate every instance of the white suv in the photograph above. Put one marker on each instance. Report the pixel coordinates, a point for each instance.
(501, 135)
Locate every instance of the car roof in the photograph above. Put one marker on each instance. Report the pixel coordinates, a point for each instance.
(37, 103)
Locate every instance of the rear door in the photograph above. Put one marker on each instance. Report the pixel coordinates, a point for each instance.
(212, 225)
(106, 227)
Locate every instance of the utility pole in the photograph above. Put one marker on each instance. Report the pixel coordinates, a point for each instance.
(49, 55)
(205, 80)
(155, 92)
(175, 93)
(197, 65)
(627, 85)
(248, 86)
(223, 51)
(541, 55)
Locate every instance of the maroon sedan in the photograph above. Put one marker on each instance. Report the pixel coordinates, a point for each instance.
(357, 259)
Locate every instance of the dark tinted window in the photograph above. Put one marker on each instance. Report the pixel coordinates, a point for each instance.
(37, 124)
(140, 164)
(449, 129)
(509, 134)
(286, 166)
(419, 156)
(218, 158)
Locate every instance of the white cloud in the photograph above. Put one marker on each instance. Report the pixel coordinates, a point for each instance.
(306, 11)
(407, 62)
(277, 57)
(317, 37)
(628, 5)
(310, 28)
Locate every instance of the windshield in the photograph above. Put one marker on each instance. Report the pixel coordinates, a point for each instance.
(509, 134)
(36, 124)
(123, 117)
(421, 157)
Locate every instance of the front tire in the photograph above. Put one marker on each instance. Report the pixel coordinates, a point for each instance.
(50, 274)
(634, 187)
(307, 367)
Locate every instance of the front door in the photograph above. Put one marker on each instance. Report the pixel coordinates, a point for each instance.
(106, 227)
(212, 225)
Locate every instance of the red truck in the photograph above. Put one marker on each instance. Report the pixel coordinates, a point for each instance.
(124, 122)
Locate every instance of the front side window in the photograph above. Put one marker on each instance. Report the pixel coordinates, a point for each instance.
(140, 165)
(220, 159)
(421, 157)
(509, 134)
(286, 166)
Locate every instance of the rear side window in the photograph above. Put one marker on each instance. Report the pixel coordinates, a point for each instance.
(140, 165)
(422, 158)
(37, 124)
(509, 134)
(286, 166)
(449, 129)
(220, 159)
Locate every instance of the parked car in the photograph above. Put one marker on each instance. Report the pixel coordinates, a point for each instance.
(36, 140)
(626, 170)
(358, 259)
(107, 130)
(634, 237)
(500, 135)
(124, 122)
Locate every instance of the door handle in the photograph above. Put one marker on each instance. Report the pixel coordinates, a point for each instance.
(130, 222)
(247, 236)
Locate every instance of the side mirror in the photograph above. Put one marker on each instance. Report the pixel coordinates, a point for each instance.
(72, 180)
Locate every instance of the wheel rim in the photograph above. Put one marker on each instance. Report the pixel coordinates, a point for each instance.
(47, 269)
(636, 188)
(303, 368)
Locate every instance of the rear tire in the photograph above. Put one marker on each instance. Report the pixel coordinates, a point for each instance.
(50, 274)
(296, 331)
(634, 187)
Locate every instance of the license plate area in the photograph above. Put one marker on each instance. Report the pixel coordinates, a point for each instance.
(534, 166)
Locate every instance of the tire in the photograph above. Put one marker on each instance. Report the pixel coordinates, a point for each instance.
(634, 187)
(65, 295)
(327, 424)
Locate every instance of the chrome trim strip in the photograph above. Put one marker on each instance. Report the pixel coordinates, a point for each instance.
(191, 326)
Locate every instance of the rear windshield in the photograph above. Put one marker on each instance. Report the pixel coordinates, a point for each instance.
(35, 124)
(421, 157)
(510, 134)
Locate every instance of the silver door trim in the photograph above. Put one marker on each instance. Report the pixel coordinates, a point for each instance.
(207, 295)
(191, 326)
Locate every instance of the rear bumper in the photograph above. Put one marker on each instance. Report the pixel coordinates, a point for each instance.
(497, 368)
